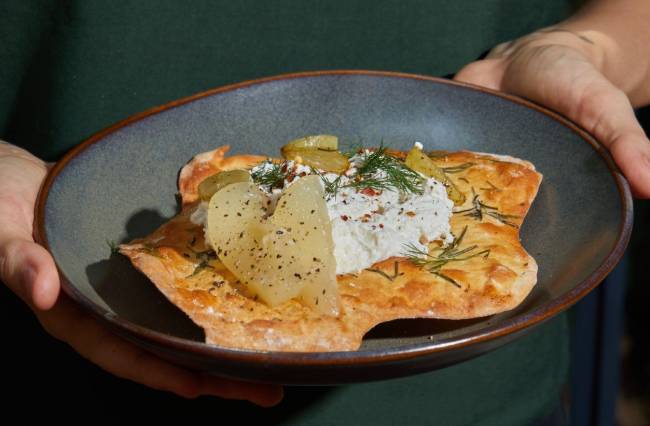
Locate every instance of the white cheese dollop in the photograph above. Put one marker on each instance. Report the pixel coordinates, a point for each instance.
(369, 226)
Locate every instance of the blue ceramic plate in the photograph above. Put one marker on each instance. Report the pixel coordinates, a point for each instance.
(121, 184)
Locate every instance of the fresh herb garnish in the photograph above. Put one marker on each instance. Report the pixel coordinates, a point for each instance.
(204, 258)
(377, 171)
(396, 272)
(457, 169)
(200, 267)
(272, 176)
(331, 187)
(113, 246)
(491, 187)
(479, 209)
(380, 272)
(381, 171)
(150, 250)
(439, 257)
(353, 149)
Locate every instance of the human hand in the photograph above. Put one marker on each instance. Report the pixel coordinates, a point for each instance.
(29, 271)
(563, 70)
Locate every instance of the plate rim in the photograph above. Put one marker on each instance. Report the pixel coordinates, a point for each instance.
(368, 357)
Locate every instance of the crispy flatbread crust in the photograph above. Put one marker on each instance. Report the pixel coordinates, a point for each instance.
(214, 300)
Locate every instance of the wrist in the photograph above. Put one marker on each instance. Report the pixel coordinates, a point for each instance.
(9, 151)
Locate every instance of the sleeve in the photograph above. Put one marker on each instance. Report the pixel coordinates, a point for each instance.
(24, 24)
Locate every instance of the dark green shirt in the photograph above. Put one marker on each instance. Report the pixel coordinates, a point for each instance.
(71, 68)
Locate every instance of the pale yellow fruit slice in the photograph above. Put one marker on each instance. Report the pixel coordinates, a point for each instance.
(283, 256)
(303, 212)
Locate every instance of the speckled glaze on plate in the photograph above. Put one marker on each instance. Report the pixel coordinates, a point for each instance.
(121, 184)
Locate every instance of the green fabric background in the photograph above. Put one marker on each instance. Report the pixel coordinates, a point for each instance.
(71, 68)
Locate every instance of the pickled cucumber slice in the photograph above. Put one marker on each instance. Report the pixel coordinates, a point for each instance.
(330, 161)
(420, 162)
(214, 183)
(322, 142)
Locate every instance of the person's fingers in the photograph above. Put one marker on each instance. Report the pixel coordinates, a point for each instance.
(123, 359)
(486, 73)
(607, 114)
(632, 154)
(263, 395)
(568, 84)
(29, 271)
(500, 50)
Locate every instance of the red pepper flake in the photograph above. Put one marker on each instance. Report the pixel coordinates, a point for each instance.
(410, 213)
(284, 168)
(344, 218)
(291, 177)
(369, 192)
(303, 174)
(381, 225)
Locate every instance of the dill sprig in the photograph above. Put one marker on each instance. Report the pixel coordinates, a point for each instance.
(204, 258)
(149, 249)
(377, 171)
(480, 209)
(353, 149)
(457, 169)
(200, 267)
(381, 171)
(331, 187)
(492, 187)
(272, 176)
(113, 246)
(396, 272)
(439, 257)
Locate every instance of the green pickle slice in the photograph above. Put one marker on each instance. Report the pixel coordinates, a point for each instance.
(421, 163)
(214, 183)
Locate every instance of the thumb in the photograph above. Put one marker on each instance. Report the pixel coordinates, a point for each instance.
(608, 114)
(29, 271)
(631, 150)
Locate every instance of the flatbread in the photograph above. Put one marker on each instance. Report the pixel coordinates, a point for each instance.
(499, 192)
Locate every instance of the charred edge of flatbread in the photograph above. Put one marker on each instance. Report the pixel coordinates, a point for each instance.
(173, 257)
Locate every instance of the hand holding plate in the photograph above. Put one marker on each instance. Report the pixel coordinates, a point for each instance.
(563, 70)
(29, 271)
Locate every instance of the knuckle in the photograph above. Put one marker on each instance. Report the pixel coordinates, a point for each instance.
(9, 252)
